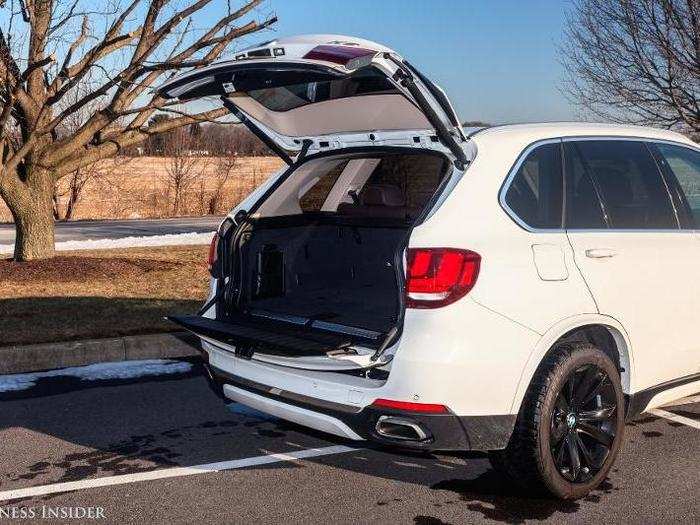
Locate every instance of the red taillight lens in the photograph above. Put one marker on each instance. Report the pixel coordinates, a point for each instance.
(439, 276)
(213, 253)
(426, 408)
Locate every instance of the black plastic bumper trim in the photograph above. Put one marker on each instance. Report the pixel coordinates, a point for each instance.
(448, 432)
(637, 402)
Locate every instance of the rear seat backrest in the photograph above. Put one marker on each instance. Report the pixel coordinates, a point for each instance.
(378, 200)
(382, 195)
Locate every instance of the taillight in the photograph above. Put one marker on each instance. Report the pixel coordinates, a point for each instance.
(439, 276)
(409, 406)
(213, 253)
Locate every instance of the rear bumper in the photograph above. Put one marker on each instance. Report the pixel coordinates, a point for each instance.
(442, 432)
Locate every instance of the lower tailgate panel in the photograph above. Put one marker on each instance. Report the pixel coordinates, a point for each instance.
(274, 337)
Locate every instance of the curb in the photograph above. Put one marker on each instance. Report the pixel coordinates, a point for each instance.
(47, 356)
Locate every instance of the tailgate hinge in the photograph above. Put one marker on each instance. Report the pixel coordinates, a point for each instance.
(305, 145)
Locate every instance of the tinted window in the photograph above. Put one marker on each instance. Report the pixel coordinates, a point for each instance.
(631, 187)
(283, 98)
(583, 207)
(312, 199)
(685, 165)
(398, 186)
(535, 193)
(416, 176)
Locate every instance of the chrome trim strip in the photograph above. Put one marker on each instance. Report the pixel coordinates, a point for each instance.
(190, 85)
(574, 138)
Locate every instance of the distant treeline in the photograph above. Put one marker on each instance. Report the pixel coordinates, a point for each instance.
(209, 139)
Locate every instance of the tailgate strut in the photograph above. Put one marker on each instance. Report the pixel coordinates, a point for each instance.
(404, 76)
(256, 130)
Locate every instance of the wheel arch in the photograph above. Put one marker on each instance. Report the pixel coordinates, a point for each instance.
(603, 331)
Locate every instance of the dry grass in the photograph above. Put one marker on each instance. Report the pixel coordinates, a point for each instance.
(105, 293)
(138, 188)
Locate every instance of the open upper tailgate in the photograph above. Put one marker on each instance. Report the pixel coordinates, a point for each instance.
(319, 88)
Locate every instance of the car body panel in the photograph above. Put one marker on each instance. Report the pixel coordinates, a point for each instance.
(649, 283)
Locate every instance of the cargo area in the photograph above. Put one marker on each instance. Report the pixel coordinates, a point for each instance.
(317, 266)
(327, 245)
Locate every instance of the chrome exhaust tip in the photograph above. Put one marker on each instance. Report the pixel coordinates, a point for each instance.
(400, 428)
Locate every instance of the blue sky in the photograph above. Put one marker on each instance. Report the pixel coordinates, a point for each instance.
(496, 59)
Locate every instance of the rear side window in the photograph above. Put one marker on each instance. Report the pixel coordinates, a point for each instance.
(535, 193)
(583, 206)
(627, 181)
(684, 163)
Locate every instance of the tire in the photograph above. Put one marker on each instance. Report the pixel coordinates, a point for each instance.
(567, 413)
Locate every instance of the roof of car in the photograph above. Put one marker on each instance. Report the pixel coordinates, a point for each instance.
(546, 130)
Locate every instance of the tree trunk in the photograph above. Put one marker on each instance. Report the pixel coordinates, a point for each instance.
(32, 210)
(35, 232)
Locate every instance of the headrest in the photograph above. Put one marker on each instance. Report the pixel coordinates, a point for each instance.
(382, 195)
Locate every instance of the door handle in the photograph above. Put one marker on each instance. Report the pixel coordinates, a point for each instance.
(600, 253)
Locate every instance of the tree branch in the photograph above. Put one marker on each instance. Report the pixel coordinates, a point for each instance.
(116, 142)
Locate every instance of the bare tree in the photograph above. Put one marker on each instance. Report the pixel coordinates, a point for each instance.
(224, 170)
(229, 138)
(112, 52)
(76, 183)
(72, 185)
(184, 168)
(635, 61)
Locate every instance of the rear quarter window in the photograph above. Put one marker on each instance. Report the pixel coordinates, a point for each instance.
(534, 194)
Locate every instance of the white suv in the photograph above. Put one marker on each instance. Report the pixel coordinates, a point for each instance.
(519, 290)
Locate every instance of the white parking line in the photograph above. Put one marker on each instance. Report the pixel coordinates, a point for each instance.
(175, 472)
(685, 401)
(675, 417)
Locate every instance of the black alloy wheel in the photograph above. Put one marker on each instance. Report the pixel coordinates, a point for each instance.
(570, 426)
(583, 424)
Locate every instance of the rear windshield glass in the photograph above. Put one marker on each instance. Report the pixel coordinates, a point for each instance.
(283, 98)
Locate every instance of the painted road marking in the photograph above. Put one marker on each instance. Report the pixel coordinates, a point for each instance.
(175, 472)
(675, 417)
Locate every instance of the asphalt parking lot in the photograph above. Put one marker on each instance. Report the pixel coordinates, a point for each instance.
(120, 445)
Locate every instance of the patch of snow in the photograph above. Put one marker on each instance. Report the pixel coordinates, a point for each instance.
(99, 371)
(17, 382)
(170, 239)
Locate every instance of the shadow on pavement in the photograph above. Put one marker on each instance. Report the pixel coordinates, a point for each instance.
(31, 320)
(121, 427)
